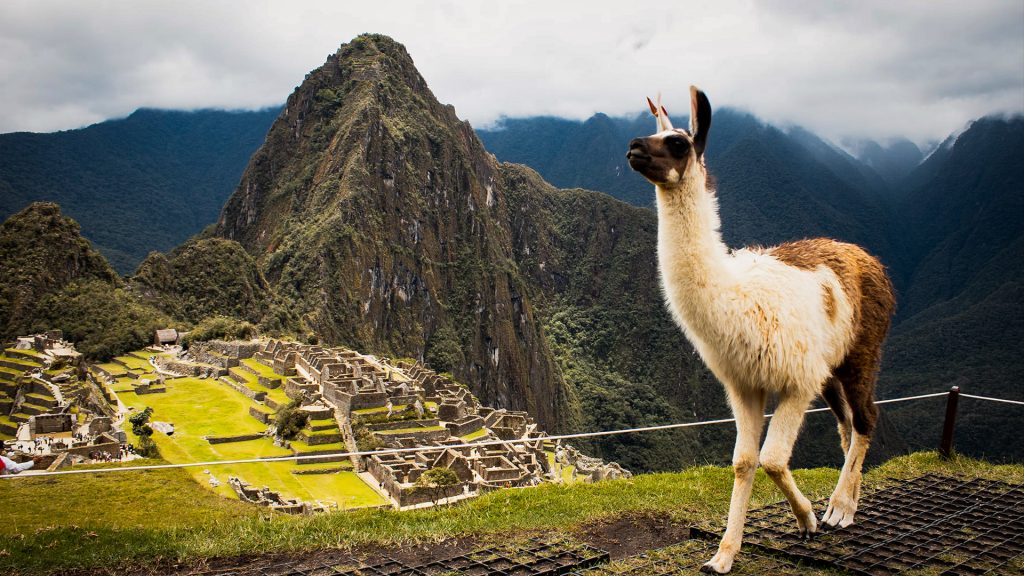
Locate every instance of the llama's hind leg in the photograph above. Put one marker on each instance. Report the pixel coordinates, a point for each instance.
(836, 400)
(775, 455)
(842, 506)
(748, 407)
(858, 391)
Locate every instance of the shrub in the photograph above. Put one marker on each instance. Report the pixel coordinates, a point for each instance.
(365, 440)
(101, 320)
(290, 420)
(437, 481)
(220, 327)
(139, 422)
(444, 353)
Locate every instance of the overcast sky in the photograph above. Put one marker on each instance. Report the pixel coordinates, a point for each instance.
(878, 69)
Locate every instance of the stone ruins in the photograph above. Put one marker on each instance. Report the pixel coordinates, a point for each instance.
(379, 404)
(348, 402)
(49, 411)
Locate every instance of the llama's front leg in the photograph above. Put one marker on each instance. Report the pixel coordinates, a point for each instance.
(749, 411)
(842, 506)
(778, 447)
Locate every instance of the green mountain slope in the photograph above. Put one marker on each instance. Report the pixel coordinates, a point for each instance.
(962, 315)
(54, 278)
(146, 182)
(41, 252)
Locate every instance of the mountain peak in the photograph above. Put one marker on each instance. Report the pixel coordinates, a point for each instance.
(375, 57)
(380, 214)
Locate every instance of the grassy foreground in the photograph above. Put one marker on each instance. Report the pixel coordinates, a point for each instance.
(126, 519)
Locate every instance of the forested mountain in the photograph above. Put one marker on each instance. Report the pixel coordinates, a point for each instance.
(962, 312)
(380, 217)
(892, 161)
(146, 182)
(54, 278)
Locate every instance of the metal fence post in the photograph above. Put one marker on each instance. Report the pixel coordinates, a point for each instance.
(948, 425)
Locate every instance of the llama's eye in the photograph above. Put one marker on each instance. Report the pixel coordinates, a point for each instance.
(677, 146)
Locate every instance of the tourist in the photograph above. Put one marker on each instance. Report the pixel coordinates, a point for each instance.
(390, 407)
(8, 466)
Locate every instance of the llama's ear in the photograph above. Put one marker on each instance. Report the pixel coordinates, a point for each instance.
(700, 119)
(660, 114)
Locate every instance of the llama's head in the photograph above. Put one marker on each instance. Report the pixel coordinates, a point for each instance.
(673, 156)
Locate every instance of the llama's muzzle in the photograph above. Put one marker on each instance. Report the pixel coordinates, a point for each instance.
(637, 154)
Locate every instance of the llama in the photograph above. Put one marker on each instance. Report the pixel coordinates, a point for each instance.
(795, 320)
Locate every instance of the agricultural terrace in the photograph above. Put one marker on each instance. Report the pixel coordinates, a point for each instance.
(205, 407)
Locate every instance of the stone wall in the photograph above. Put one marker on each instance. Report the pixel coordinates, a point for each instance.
(403, 424)
(50, 423)
(111, 448)
(228, 439)
(236, 348)
(419, 495)
(465, 425)
(260, 415)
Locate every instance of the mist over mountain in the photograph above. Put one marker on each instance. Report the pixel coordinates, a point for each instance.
(145, 182)
(372, 216)
(893, 160)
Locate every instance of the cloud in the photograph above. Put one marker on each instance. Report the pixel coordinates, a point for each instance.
(877, 69)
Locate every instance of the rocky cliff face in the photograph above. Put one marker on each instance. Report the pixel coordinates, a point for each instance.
(378, 213)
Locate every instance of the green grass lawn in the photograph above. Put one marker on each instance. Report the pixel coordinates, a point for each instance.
(28, 364)
(252, 382)
(275, 394)
(135, 363)
(30, 352)
(9, 373)
(198, 407)
(36, 396)
(113, 369)
(261, 368)
(301, 447)
(130, 519)
(474, 435)
(202, 407)
(428, 406)
(328, 432)
(124, 384)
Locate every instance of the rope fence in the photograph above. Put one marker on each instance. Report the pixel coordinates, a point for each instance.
(945, 447)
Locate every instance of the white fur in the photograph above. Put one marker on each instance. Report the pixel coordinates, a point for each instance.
(757, 322)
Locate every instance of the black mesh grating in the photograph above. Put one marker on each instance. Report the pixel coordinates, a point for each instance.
(945, 525)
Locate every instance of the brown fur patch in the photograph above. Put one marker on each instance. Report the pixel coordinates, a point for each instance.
(870, 292)
(830, 301)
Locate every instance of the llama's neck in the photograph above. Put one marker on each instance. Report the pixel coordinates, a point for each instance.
(693, 260)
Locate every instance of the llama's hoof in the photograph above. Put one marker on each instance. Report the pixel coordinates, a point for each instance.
(807, 525)
(839, 515)
(717, 565)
